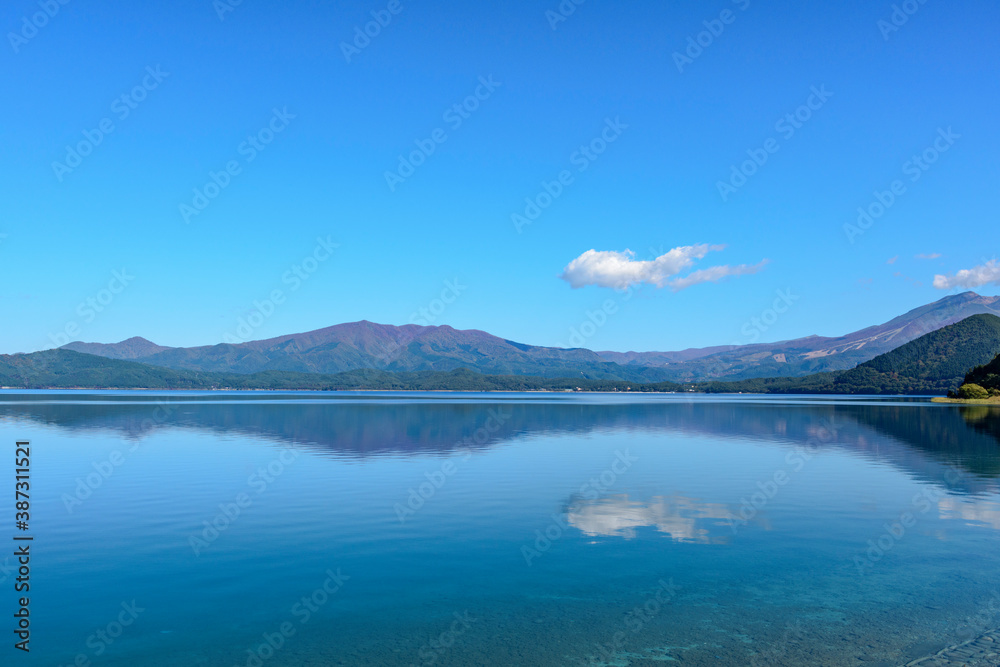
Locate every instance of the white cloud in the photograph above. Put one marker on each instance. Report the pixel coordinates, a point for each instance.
(892, 260)
(715, 274)
(970, 278)
(933, 255)
(618, 270)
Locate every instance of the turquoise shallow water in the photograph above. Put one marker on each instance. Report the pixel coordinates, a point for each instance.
(502, 529)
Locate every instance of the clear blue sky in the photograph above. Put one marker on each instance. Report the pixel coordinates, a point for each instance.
(654, 188)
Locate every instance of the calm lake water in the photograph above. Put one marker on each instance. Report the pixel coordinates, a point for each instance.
(252, 529)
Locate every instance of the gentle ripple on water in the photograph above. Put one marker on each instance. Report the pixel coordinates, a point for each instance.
(516, 529)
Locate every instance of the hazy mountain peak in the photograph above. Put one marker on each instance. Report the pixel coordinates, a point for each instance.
(135, 347)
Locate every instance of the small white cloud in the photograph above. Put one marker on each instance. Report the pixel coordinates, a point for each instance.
(609, 268)
(715, 274)
(933, 255)
(892, 260)
(619, 270)
(969, 278)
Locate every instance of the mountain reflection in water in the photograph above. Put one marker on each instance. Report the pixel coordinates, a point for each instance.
(921, 438)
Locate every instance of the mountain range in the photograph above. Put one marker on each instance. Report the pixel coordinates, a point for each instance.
(411, 348)
(932, 364)
(812, 354)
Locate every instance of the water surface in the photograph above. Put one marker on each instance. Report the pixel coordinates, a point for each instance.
(504, 529)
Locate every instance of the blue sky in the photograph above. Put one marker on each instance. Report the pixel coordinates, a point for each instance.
(204, 94)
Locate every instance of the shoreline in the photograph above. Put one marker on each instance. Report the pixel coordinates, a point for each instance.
(967, 401)
(932, 398)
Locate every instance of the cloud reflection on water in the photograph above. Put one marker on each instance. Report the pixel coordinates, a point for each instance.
(683, 519)
(973, 511)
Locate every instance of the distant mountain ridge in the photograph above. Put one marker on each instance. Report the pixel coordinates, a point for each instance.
(812, 354)
(130, 349)
(66, 369)
(932, 364)
(411, 348)
(367, 345)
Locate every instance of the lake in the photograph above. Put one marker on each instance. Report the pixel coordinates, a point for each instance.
(250, 529)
